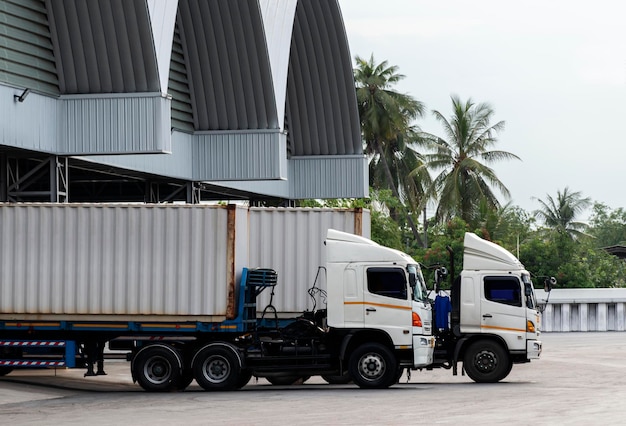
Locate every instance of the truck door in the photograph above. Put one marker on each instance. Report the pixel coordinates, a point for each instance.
(387, 303)
(503, 311)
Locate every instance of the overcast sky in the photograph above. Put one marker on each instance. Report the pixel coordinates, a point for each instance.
(553, 70)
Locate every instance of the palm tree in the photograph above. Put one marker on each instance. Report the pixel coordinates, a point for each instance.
(465, 181)
(560, 213)
(386, 117)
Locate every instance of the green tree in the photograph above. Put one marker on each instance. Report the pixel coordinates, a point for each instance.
(506, 226)
(465, 181)
(607, 226)
(560, 213)
(386, 123)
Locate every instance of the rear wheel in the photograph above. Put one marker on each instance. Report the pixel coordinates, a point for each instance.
(5, 370)
(373, 365)
(486, 361)
(157, 368)
(217, 367)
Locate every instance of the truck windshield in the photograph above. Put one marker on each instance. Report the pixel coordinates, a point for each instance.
(529, 291)
(419, 288)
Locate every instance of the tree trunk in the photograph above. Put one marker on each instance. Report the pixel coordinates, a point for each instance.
(394, 190)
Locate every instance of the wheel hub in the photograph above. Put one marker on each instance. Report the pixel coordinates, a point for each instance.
(486, 361)
(372, 366)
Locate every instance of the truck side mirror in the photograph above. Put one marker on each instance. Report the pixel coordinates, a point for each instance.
(412, 279)
(548, 284)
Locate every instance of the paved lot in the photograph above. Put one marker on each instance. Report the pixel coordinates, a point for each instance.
(579, 380)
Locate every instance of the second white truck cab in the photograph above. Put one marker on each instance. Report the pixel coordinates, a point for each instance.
(382, 289)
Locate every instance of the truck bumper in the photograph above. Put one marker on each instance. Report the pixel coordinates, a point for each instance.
(533, 349)
(423, 349)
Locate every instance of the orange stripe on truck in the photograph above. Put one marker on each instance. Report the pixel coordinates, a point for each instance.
(384, 305)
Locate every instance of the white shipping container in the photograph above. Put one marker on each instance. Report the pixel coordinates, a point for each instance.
(124, 260)
(162, 262)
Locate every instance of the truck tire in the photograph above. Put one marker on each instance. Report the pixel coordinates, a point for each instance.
(157, 368)
(486, 361)
(217, 367)
(374, 366)
(5, 370)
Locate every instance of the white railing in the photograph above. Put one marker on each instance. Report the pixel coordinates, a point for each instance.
(594, 309)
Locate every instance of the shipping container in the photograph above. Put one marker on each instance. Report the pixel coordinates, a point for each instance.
(94, 261)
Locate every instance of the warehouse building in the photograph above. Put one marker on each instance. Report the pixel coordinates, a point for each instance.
(177, 100)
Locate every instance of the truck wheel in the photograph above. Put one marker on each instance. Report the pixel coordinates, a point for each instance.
(486, 361)
(217, 367)
(344, 379)
(373, 365)
(157, 368)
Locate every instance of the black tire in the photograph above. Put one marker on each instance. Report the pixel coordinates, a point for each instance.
(157, 368)
(217, 367)
(344, 379)
(486, 361)
(373, 366)
(5, 370)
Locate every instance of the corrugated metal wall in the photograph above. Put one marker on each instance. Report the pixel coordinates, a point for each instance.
(115, 124)
(25, 41)
(588, 309)
(328, 176)
(113, 259)
(291, 241)
(239, 156)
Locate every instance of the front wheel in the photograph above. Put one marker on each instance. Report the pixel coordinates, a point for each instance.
(217, 367)
(373, 365)
(486, 361)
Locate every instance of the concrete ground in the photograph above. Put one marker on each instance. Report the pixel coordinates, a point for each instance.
(578, 380)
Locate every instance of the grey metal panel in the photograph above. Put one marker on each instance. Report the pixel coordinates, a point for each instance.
(328, 177)
(32, 124)
(113, 259)
(26, 58)
(111, 124)
(228, 64)
(322, 112)
(103, 46)
(239, 155)
(291, 241)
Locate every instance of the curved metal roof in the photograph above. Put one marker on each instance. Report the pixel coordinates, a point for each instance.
(229, 71)
(103, 46)
(321, 102)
